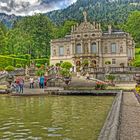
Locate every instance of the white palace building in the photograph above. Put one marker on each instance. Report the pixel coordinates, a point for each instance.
(87, 42)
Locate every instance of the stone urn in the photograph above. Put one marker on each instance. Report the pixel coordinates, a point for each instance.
(10, 78)
(67, 80)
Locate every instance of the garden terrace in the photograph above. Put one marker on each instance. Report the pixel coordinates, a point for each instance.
(113, 70)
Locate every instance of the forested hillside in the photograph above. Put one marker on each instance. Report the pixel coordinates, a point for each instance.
(105, 11)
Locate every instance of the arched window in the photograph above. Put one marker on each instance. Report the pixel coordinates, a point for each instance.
(121, 49)
(61, 51)
(113, 47)
(94, 48)
(78, 49)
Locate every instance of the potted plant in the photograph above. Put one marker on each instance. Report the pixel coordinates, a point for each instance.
(10, 77)
(111, 78)
(65, 72)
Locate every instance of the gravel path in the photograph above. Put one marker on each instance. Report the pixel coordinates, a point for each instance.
(130, 121)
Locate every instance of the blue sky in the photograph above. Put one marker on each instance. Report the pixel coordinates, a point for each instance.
(30, 7)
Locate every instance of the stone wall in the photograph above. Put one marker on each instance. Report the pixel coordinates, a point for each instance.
(110, 129)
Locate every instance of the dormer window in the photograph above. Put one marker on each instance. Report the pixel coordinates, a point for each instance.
(93, 35)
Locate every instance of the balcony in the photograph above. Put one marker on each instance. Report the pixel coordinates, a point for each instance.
(86, 55)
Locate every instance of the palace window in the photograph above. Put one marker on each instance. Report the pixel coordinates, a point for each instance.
(61, 51)
(121, 49)
(94, 48)
(78, 49)
(113, 61)
(106, 50)
(113, 47)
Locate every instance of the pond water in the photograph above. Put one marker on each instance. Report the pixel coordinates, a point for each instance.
(52, 118)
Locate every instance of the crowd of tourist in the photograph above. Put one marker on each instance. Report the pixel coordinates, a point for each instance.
(19, 83)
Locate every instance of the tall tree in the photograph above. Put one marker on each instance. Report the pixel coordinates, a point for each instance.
(3, 31)
(133, 26)
(40, 28)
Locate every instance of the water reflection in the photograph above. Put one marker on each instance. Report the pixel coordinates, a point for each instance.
(52, 118)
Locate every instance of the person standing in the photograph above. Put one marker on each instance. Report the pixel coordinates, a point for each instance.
(17, 85)
(42, 79)
(31, 82)
(21, 85)
(39, 82)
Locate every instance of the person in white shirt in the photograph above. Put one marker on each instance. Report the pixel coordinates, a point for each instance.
(31, 82)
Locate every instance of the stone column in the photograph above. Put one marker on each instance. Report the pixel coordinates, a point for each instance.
(73, 47)
(99, 48)
(82, 49)
(89, 46)
(100, 53)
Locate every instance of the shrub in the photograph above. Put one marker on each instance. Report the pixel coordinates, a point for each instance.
(6, 61)
(136, 63)
(65, 73)
(9, 68)
(66, 65)
(41, 61)
(18, 66)
(38, 65)
(111, 77)
(57, 64)
(85, 63)
(40, 72)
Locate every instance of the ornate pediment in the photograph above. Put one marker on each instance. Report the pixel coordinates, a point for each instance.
(86, 26)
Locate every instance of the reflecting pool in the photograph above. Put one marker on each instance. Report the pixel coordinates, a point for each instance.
(52, 118)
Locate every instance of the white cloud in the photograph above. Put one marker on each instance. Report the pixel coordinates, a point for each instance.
(29, 7)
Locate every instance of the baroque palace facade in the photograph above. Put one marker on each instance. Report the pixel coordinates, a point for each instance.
(88, 43)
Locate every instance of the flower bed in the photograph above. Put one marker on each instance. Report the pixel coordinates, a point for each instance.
(100, 86)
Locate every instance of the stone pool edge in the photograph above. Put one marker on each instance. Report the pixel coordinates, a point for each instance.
(110, 129)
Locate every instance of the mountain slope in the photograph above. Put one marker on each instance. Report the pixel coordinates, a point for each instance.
(104, 11)
(107, 11)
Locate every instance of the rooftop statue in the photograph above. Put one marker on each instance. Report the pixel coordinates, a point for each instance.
(85, 16)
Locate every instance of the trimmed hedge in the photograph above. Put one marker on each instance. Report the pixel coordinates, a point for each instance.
(9, 68)
(13, 61)
(6, 61)
(41, 61)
